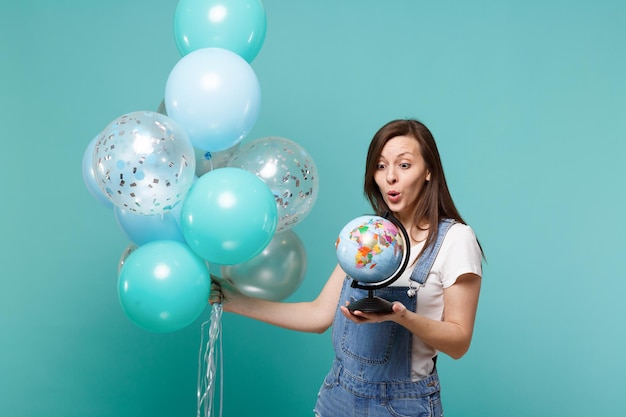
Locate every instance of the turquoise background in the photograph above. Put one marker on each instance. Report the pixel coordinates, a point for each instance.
(527, 102)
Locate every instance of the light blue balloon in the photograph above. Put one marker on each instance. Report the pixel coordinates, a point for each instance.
(215, 96)
(236, 25)
(229, 216)
(141, 229)
(163, 286)
(89, 177)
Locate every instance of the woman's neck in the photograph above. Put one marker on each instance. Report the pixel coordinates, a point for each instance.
(417, 233)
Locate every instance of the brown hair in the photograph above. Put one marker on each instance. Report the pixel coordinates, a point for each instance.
(434, 202)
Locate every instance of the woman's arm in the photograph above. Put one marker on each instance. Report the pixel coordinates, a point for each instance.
(453, 334)
(313, 316)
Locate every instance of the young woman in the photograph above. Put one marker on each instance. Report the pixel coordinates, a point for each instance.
(385, 364)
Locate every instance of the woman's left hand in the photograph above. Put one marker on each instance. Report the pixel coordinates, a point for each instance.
(398, 310)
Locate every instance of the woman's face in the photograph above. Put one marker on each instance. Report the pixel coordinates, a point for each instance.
(400, 175)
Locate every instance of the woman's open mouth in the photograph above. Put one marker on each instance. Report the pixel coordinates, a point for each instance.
(393, 196)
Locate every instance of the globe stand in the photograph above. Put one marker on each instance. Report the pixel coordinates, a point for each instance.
(372, 303)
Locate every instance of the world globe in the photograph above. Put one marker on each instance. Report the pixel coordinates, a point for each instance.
(370, 249)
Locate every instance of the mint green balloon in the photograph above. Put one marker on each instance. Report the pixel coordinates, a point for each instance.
(229, 216)
(236, 25)
(163, 286)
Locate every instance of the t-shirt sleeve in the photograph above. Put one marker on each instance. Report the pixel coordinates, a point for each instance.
(460, 254)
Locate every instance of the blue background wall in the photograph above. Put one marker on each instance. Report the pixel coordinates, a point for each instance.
(527, 102)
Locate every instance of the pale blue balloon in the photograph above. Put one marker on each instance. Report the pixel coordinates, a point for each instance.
(89, 177)
(163, 286)
(236, 25)
(215, 95)
(141, 229)
(229, 216)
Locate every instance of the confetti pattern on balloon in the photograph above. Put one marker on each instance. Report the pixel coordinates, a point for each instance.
(288, 170)
(144, 162)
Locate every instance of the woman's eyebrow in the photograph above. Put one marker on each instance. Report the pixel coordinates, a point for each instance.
(402, 154)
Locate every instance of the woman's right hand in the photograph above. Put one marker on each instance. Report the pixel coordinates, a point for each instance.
(215, 296)
(223, 292)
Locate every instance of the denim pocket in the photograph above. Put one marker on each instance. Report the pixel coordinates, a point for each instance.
(357, 341)
(426, 406)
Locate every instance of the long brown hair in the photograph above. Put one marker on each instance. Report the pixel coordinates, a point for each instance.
(434, 202)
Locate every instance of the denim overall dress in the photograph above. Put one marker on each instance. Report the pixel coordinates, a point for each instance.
(371, 373)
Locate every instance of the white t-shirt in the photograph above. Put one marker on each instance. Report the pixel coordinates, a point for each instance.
(459, 254)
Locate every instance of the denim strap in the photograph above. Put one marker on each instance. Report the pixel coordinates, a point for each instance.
(427, 259)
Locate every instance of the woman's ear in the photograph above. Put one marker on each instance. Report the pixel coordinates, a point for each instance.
(428, 176)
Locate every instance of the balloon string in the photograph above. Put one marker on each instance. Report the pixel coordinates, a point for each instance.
(209, 157)
(207, 363)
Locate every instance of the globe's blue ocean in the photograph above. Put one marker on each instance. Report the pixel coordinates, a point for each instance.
(370, 249)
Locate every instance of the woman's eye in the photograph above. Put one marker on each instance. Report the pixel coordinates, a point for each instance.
(405, 165)
(380, 166)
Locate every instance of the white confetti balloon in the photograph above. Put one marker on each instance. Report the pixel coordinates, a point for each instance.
(288, 170)
(144, 162)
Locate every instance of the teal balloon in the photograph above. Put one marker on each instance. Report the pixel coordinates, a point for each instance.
(163, 286)
(215, 96)
(141, 229)
(275, 273)
(236, 25)
(229, 216)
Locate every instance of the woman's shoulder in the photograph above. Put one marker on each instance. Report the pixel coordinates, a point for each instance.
(461, 237)
(462, 231)
(460, 253)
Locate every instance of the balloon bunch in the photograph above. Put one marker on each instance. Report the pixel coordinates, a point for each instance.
(186, 190)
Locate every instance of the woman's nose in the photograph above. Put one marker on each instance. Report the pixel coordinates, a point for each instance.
(391, 176)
